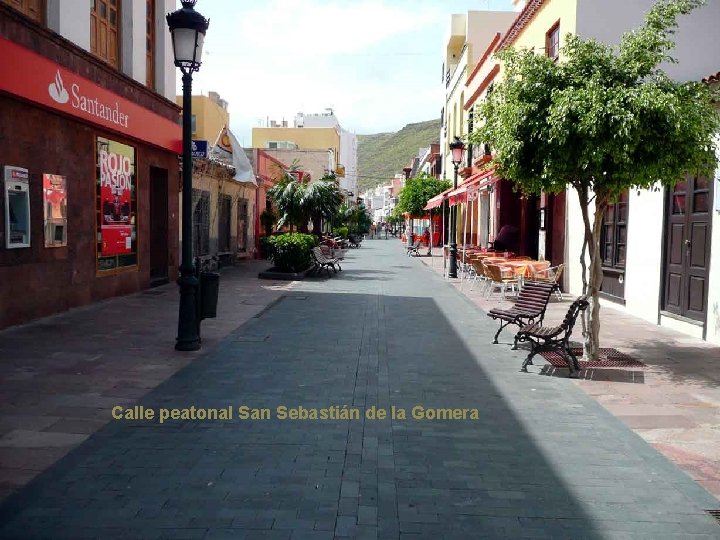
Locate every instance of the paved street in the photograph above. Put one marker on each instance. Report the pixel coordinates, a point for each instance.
(543, 459)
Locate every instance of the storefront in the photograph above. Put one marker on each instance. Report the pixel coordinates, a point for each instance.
(90, 169)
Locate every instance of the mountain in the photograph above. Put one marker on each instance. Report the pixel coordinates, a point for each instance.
(382, 155)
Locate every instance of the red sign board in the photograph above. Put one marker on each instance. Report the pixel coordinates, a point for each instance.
(116, 163)
(38, 79)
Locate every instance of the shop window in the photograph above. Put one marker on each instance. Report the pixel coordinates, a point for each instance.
(613, 236)
(116, 196)
(35, 9)
(552, 42)
(201, 222)
(104, 34)
(150, 44)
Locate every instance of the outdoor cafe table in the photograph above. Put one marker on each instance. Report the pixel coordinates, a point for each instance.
(525, 269)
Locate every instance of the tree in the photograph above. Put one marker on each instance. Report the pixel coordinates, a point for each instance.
(300, 201)
(602, 120)
(287, 195)
(322, 200)
(418, 191)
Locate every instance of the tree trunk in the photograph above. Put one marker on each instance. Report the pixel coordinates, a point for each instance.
(317, 226)
(584, 201)
(591, 285)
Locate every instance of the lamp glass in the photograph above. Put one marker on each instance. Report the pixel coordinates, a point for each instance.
(457, 154)
(187, 47)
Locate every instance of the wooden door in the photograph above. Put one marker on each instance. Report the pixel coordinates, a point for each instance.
(158, 224)
(687, 249)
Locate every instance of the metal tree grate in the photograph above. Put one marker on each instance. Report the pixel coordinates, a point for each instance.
(714, 514)
(608, 358)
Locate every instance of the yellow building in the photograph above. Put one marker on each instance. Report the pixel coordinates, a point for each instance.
(297, 138)
(209, 116)
(224, 210)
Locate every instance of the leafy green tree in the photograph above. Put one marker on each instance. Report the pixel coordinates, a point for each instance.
(417, 192)
(602, 120)
(355, 218)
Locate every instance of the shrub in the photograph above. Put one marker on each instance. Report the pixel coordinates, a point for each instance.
(342, 231)
(290, 252)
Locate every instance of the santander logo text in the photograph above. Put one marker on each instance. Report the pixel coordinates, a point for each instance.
(57, 89)
(87, 104)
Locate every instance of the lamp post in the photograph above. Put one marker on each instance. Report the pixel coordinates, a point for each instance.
(407, 170)
(187, 28)
(458, 150)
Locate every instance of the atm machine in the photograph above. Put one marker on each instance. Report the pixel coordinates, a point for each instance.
(17, 207)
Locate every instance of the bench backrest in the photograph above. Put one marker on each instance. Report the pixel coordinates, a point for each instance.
(534, 297)
(318, 254)
(579, 305)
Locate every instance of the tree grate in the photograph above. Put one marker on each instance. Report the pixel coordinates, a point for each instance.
(714, 514)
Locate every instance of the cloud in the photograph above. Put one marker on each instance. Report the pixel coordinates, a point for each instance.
(377, 63)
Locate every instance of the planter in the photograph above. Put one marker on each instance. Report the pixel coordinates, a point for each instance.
(273, 273)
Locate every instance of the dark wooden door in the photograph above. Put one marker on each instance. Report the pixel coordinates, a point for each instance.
(687, 236)
(158, 224)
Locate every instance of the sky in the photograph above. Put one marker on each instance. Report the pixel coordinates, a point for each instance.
(376, 63)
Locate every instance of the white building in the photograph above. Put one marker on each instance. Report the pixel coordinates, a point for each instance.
(467, 38)
(348, 146)
(671, 270)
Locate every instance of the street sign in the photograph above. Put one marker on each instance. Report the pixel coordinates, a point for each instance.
(199, 149)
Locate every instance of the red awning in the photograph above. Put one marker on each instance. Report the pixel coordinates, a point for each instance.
(458, 195)
(437, 200)
(471, 186)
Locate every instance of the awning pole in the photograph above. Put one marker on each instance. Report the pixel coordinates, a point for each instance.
(431, 235)
(471, 223)
(443, 239)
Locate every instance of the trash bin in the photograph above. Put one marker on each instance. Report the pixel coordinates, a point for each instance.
(209, 289)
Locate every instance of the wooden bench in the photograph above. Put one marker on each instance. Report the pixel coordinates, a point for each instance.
(323, 262)
(553, 338)
(414, 249)
(528, 308)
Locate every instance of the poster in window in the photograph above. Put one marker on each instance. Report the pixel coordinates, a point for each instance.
(116, 204)
(55, 210)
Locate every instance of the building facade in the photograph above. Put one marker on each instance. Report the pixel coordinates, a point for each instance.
(660, 248)
(89, 142)
(223, 208)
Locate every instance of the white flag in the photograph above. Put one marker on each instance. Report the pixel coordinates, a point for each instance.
(227, 148)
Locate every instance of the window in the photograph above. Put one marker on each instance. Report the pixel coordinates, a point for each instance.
(193, 124)
(150, 44)
(613, 236)
(35, 9)
(201, 222)
(116, 195)
(552, 42)
(104, 35)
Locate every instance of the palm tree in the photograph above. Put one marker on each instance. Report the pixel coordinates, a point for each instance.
(300, 201)
(321, 199)
(287, 195)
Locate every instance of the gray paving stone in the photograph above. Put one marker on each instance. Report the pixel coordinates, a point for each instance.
(543, 460)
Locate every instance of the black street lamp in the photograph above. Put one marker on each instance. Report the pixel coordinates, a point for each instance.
(458, 150)
(407, 171)
(187, 28)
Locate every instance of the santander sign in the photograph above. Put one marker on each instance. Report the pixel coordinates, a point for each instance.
(52, 86)
(87, 104)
